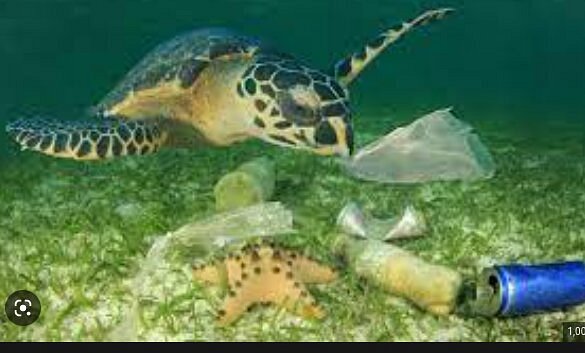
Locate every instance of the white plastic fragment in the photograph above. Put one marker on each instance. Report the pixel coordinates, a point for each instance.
(411, 224)
(437, 146)
(353, 221)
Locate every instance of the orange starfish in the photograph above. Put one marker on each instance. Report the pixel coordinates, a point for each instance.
(266, 274)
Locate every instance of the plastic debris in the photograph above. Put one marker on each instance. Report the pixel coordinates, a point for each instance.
(251, 183)
(431, 287)
(437, 146)
(262, 220)
(352, 220)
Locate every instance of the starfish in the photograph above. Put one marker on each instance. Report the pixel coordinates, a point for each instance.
(265, 274)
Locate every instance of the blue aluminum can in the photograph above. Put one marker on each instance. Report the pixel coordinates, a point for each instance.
(511, 290)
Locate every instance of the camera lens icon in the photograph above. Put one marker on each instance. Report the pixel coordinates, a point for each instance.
(22, 308)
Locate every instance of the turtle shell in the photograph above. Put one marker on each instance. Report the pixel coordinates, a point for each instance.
(182, 58)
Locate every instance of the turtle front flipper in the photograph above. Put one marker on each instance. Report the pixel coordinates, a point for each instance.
(102, 139)
(350, 67)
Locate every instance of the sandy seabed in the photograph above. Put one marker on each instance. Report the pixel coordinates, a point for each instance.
(75, 234)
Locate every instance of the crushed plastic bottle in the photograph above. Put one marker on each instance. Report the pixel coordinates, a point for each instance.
(251, 183)
(432, 287)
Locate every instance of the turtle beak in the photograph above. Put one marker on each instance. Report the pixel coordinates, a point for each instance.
(344, 132)
(349, 141)
(344, 152)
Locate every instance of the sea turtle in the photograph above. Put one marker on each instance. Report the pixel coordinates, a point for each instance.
(216, 87)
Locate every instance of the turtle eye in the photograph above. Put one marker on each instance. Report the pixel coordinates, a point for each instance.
(294, 109)
(299, 110)
(325, 134)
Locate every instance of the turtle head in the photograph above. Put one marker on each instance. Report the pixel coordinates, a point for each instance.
(295, 106)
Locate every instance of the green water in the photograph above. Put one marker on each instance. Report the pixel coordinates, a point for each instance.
(514, 69)
(60, 56)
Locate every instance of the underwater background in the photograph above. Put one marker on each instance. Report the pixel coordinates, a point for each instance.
(74, 233)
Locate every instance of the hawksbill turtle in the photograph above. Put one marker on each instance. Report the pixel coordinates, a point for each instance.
(216, 87)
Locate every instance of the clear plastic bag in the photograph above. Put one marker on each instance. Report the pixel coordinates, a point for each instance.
(260, 220)
(437, 146)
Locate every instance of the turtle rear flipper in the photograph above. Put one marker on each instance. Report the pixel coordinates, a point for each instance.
(96, 140)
